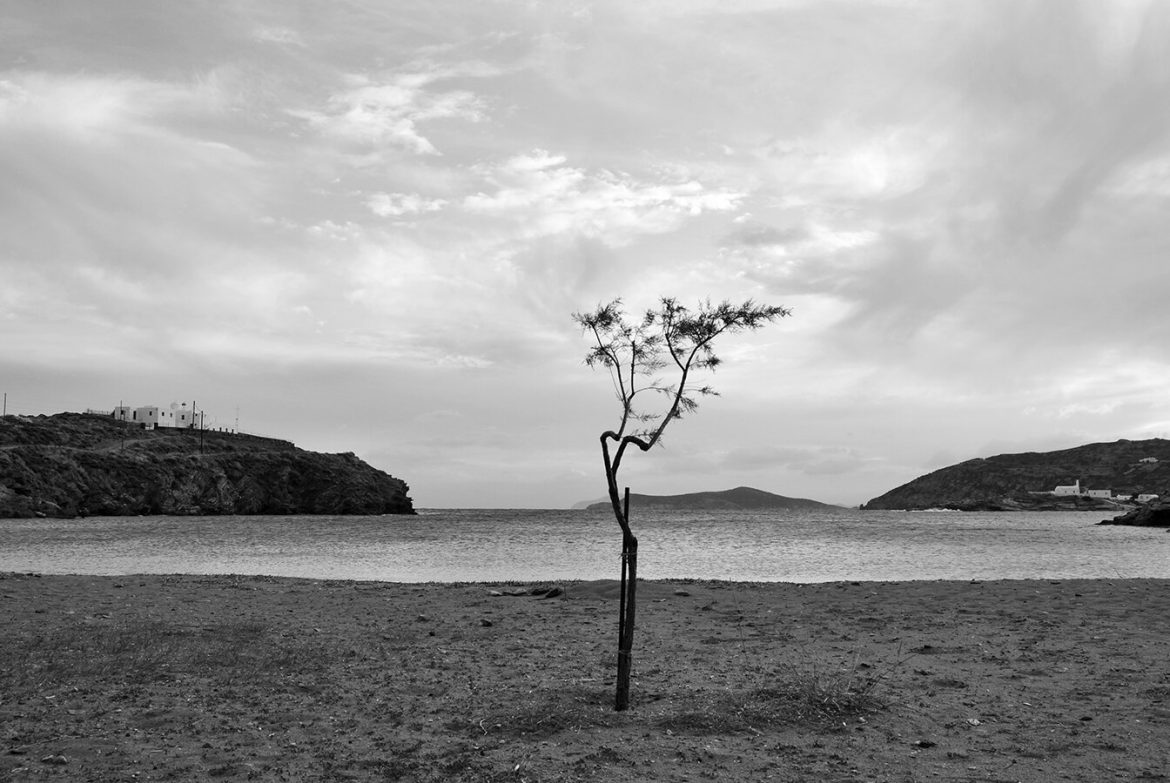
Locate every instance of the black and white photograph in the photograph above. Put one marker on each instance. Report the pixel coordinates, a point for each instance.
(585, 390)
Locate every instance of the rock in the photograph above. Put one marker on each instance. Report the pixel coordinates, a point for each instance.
(1153, 514)
(486, 623)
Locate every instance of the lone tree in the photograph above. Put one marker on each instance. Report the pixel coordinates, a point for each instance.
(654, 357)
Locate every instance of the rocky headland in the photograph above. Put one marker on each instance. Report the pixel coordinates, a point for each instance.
(1025, 481)
(76, 464)
(1155, 514)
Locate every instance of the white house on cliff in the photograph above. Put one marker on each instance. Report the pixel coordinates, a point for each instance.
(151, 416)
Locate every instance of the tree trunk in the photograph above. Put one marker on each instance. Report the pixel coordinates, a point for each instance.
(626, 611)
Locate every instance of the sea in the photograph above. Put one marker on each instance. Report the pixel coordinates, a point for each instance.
(530, 545)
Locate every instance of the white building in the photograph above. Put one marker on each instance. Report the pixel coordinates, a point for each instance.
(180, 417)
(1072, 489)
(1146, 498)
(146, 416)
(1148, 459)
(151, 416)
(1100, 493)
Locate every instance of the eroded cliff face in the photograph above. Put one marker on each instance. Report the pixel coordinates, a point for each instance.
(76, 464)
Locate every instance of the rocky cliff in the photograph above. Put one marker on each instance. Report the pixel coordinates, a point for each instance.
(1019, 481)
(73, 464)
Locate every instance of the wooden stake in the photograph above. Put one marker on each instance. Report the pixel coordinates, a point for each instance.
(628, 601)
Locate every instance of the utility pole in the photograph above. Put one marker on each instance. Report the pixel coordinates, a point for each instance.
(5, 403)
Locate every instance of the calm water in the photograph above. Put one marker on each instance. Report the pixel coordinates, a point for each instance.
(501, 545)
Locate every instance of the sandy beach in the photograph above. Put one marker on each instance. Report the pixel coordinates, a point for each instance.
(255, 678)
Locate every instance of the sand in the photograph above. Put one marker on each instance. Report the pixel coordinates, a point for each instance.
(257, 678)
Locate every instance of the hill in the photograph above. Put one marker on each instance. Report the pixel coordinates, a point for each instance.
(739, 498)
(76, 464)
(1017, 481)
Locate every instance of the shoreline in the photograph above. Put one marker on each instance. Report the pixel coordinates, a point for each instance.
(489, 583)
(268, 678)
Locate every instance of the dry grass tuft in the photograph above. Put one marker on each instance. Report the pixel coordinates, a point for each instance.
(542, 714)
(145, 651)
(807, 696)
(811, 696)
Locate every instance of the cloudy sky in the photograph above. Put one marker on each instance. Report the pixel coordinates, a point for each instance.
(363, 226)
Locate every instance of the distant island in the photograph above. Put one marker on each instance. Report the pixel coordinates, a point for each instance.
(1099, 476)
(740, 498)
(83, 464)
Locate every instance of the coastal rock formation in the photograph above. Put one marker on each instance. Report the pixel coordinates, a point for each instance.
(73, 464)
(1022, 482)
(1156, 514)
(731, 499)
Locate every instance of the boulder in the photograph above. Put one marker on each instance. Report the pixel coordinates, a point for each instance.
(1153, 514)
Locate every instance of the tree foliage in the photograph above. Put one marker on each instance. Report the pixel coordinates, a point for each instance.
(669, 340)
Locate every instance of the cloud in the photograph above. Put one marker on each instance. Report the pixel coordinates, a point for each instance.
(850, 163)
(278, 35)
(546, 196)
(90, 160)
(815, 461)
(85, 107)
(752, 234)
(125, 220)
(980, 217)
(398, 204)
(372, 112)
